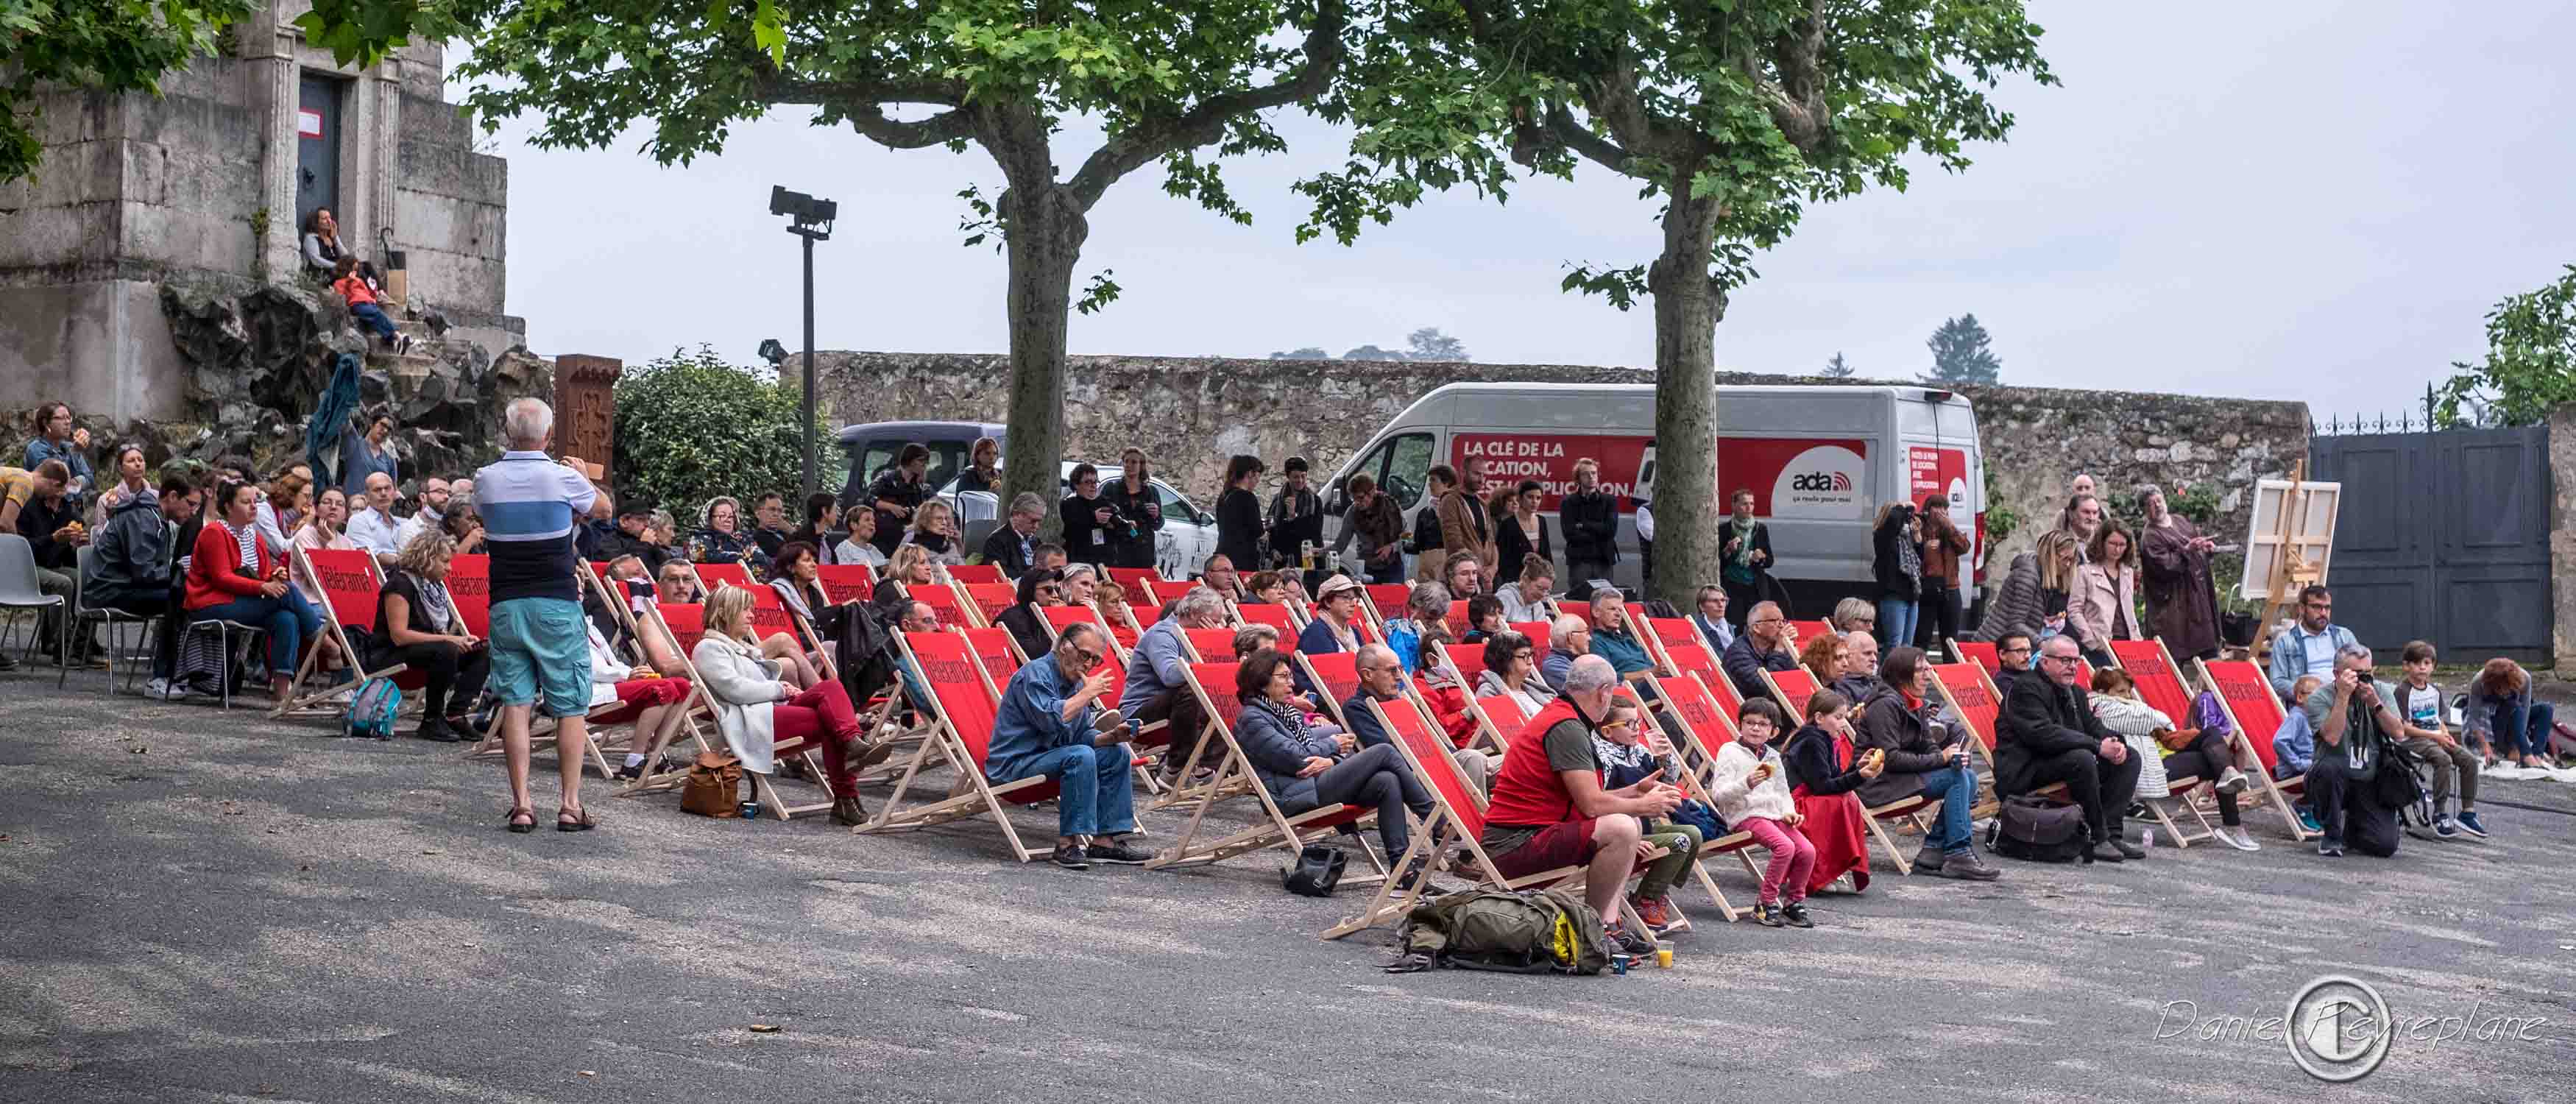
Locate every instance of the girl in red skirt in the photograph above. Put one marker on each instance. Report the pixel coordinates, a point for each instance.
(1822, 775)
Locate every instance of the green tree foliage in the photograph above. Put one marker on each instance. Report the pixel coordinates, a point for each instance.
(1428, 343)
(2530, 366)
(120, 46)
(691, 427)
(1837, 368)
(1733, 115)
(1177, 85)
(1961, 353)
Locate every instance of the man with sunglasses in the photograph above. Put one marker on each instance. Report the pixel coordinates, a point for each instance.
(2309, 646)
(2048, 734)
(1050, 724)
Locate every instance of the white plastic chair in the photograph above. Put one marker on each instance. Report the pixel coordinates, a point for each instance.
(20, 590)
(115, 619)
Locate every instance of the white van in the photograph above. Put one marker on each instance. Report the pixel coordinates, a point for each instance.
(1819, 461)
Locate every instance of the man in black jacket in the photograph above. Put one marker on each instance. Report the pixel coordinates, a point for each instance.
(2049, 734)
(633, 517)
(1013, 544)
(1590, 520)
(1768, 644)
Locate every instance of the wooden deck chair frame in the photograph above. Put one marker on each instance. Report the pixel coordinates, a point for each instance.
(764, 788)
(1980, 652)
(975, 795)
(2284, 793)
(977, 600)
(2140, 659)
(1990, 738)
(1374, 597)
(692, 710)
(1276, 828)
(332, 625)
(1455, 830)
(1687, 744)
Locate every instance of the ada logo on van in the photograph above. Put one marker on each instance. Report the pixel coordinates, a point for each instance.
(1825, 481)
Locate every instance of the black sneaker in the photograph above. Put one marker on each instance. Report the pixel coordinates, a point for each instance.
(1112, 849)
(1072, 857)
(2330, 847)
(1768, 915)
(2128, 850)
(1795, 912)
(2105, 852)
(1623, 941)
(630, 771)
(6, 663)
(435, 730)
(1966, 866)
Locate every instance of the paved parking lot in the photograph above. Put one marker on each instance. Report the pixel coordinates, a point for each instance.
(202, 905)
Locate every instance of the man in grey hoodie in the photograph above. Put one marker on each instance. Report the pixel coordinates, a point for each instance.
(129, 563)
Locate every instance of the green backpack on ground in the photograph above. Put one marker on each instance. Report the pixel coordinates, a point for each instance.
(1532, 931)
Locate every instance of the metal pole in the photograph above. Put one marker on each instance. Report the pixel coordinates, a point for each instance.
(806, 431)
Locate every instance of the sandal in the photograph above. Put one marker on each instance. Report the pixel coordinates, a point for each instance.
(523, 811)
(580, 821)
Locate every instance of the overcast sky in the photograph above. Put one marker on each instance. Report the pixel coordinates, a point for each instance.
(2297, 200)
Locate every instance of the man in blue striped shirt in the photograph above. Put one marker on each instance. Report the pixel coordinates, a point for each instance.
(530, 505)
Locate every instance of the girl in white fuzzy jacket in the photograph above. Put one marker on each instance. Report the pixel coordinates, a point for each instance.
(1751, 789)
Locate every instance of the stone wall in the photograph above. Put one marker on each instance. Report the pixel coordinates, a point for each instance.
(2562, 537)
(199, 187)
(1190, 414)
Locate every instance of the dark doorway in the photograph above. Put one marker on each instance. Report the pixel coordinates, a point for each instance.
(317, 146)
(2444, 537)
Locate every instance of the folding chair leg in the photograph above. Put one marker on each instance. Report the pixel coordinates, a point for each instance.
(1379, 906)
(1904, 866)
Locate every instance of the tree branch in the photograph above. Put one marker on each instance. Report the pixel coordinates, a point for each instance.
(864, 102)
(1797, 99)
(1148, 142)
(947, 126)
(1559, 128)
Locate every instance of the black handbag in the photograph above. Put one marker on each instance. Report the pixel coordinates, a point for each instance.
(2033, 830)
(1317, 870)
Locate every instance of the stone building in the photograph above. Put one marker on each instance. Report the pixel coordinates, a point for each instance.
(206, 187)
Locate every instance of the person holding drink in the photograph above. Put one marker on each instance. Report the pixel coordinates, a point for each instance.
(1921, 757)
(1751, 789)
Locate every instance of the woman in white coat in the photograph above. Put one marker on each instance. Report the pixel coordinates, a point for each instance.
(758, 712)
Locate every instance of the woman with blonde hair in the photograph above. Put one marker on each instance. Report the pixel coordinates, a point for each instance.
(912, 566)
(1855, 614)
(2022, 604)
(757, 709)
(417, 626)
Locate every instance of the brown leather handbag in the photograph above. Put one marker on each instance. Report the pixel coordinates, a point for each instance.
(713, 787)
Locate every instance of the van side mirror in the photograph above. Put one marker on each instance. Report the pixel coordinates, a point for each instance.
(1338, 501)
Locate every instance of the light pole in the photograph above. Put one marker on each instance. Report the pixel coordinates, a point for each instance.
(811, 219)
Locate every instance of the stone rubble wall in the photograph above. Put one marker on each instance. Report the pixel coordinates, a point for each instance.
(1190, 414)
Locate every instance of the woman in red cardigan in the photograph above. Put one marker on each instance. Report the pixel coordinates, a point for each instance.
(232, 578)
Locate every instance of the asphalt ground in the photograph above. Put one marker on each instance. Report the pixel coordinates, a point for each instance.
(210, 906)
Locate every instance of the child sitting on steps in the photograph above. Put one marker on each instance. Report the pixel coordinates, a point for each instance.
(361, 297)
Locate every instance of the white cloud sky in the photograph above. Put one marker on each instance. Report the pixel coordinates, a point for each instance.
(2295, 200)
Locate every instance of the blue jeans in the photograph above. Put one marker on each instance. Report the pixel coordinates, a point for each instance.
(2522, 727)
(1957, 789)
(373, 317)
(1099, 789)
(288, 620)
(1896, 622)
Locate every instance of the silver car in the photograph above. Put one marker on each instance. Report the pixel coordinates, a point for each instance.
(1186, 540)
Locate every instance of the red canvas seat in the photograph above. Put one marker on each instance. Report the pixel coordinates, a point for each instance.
(1792, 689)
(846, 582)
(2160, 686)
(964, 703)
(1981, 652)
(469, 589)
(1211, 645)
(2247, 697)
(1163, 592)
(713, 575)
(1134, 580)
(1385, 601)
(1262, 613)
(990, 600)
(977, 574)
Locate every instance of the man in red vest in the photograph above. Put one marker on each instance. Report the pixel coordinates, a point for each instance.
(1549, 810)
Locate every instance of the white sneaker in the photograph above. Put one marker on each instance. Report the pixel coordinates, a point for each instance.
(2232, 782)
(157, 688)
(2236, 838)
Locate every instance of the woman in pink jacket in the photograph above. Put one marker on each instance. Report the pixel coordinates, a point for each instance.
(2104, 606)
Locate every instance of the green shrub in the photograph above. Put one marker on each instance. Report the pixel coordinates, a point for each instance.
(691, 427)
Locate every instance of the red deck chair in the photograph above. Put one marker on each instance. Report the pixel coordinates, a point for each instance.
(1060, 618)
(348, 581)
(1469, 659)
(1456, 815)
(1580, 611)
(2258, 715)
(997, 650)
(2160, 686)
(1498, 720)
(1458, 622)
(469, 588)
(1665, 635)
(1982, 652)
(1136, 580)
(686, 624)
(1277, 617)
(975, 574)
(1335, 676)
(963, 707)
(1386, 601)
(1690, 740)
(945, 601)
(1792, 689)
(1537, 632)
(846, 582)
(692, 708)
(1809, 630)
(1122, 627)
(1981, 704)
(1163, 592)
(1211, 645)
(1693, 657)
(990, 599)
(1213, 683)
(727, 574)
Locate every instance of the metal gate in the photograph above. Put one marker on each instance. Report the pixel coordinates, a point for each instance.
(2443, 537)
